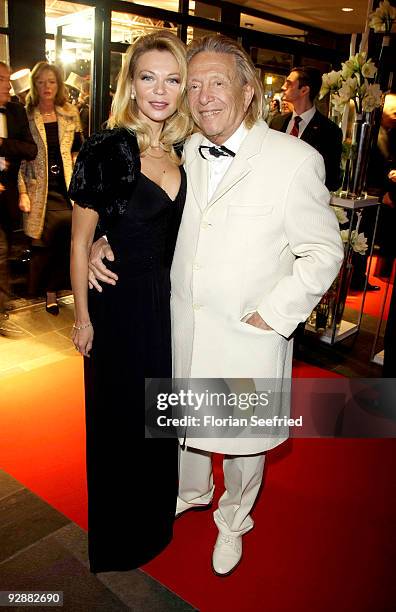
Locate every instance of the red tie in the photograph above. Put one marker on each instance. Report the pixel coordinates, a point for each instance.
(294, 131)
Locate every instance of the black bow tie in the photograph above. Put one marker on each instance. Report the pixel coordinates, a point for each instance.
(216, 151)
(2, 109)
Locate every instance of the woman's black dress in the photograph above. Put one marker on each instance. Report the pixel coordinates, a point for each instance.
(132, 481)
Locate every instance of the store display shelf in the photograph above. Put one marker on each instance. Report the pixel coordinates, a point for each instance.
(378, 358)
(345, 329)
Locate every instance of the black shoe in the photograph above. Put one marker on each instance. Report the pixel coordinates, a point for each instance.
(52, 308)
(371, 287)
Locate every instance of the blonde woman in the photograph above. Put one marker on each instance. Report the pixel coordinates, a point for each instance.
(43, 182)
(129, 178)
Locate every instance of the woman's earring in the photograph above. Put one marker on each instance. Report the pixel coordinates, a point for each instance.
(133, 96)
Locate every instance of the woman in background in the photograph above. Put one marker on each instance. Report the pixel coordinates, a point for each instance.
(129, 178)
(43, 182)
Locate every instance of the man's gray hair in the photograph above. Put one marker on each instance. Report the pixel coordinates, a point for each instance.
(217, 43)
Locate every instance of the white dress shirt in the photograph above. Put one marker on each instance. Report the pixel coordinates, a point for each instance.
(305, 119)
(218, 166)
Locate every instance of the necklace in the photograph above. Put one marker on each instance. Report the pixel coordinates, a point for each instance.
(47, 114)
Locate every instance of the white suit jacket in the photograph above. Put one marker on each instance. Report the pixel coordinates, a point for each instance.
(267, 241)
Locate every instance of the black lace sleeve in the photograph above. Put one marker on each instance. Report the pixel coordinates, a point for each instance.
(105, 173)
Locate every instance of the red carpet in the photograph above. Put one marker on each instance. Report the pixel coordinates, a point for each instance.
(325, 523)
(374, 299)
(42, 434)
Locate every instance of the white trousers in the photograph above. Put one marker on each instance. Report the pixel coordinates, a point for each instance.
(242, 480)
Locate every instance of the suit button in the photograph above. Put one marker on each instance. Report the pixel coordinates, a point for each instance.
(205, 224)
(197, 306)
(197, 266)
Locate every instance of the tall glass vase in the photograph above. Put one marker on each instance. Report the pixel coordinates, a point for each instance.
(361, 140)
(386, 62)
(335, 115)
(344, 283)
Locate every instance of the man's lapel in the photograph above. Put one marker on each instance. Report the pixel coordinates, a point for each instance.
(310, 132)
(197, 171)
(240, 166)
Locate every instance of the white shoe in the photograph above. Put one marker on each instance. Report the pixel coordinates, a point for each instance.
(227, 554)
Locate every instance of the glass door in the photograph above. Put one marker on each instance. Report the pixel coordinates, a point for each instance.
(69, 45)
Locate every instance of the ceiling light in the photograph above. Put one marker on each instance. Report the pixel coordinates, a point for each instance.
(347, 9)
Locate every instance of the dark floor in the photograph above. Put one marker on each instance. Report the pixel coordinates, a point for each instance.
(42, 550)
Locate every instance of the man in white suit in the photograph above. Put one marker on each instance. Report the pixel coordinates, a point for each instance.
(257, 248)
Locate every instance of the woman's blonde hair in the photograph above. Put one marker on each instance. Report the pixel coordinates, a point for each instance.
(33, 98)
(246, 71)
(124, 110)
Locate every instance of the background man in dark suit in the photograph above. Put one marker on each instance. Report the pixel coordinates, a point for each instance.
(306, 122)
(16, 143)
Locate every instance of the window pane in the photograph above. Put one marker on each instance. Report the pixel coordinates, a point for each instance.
(193, 33)
(202, 9)
(4, 55)
(72, 26)
(3, 13)
(166, 5)
(271, 61)
(115, 67)
(125, 27)
(272, 83)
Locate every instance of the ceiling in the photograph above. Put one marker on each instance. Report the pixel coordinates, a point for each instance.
(325, 14)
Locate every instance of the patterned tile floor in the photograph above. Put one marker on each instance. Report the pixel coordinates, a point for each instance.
(42, 550)
(44, 338)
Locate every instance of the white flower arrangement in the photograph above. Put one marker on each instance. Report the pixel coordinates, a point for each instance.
(356, 240)
(341, 215)
(351, 83)
(383, 18)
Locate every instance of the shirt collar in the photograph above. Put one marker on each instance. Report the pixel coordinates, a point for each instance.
(307, 115)
(233, 143)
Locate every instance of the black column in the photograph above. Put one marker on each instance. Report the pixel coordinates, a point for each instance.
(27, 33)
(231, 15)
(101, 66)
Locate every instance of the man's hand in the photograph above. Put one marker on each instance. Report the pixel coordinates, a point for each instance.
(24, 203)
(97, 270)
(258, 321)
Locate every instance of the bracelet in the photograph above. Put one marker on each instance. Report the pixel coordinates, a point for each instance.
(84, 326)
